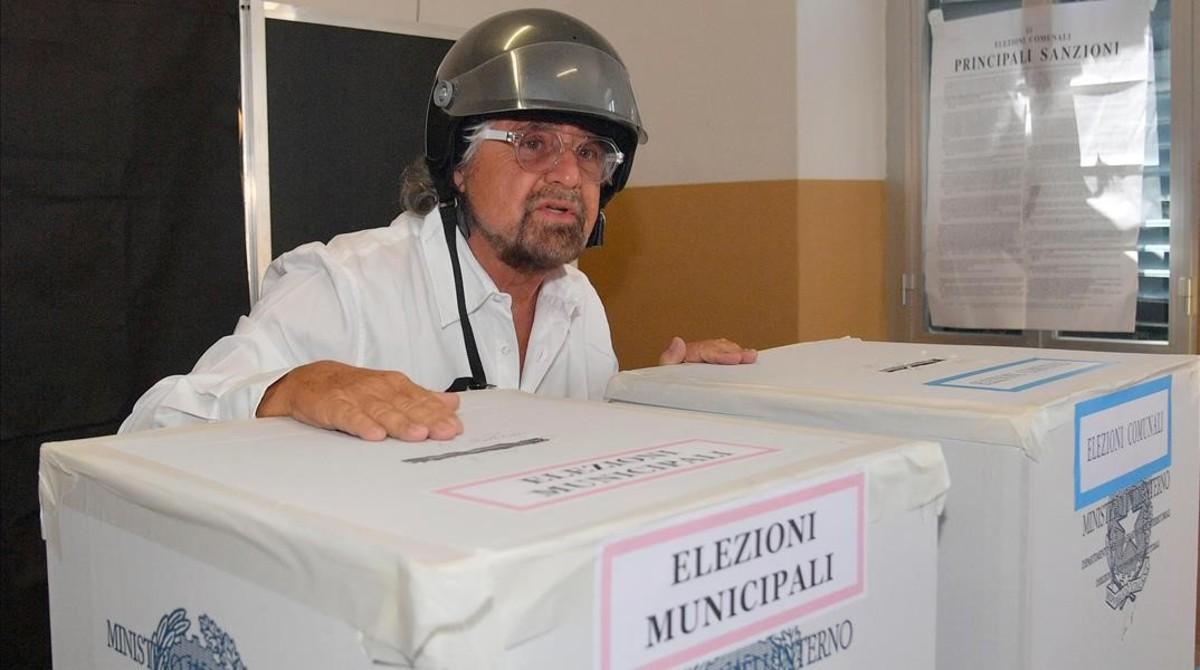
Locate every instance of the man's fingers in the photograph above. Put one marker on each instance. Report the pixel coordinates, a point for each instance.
(344, 415)
(361, 425)
(720, 351)
(417, 431)
(371, 404)
(432, 414)
(724, 352)
(415, 418)
(446, 429)
(396, 423)
(720, 357)
(675, 352)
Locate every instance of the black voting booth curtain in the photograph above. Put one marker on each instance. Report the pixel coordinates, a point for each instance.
(122, 253)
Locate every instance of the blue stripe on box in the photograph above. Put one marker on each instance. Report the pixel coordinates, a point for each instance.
(945, 381)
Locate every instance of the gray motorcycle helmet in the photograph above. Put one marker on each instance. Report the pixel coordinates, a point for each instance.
(531, 63)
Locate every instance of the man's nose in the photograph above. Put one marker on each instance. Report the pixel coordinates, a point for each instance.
(565, 170)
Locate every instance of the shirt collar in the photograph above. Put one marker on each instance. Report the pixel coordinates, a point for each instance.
(562, 291)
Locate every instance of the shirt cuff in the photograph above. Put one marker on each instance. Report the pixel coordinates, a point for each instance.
(240, 400)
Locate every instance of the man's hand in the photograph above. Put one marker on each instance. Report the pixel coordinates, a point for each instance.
(720, 351)
(371, 404)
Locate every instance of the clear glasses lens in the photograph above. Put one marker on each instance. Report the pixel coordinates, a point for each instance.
(539, 150)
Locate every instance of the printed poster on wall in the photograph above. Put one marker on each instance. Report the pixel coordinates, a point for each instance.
(1041, 122)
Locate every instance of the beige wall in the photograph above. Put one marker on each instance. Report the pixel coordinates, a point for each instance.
(757, 210)
(764, 263)
(699, 260)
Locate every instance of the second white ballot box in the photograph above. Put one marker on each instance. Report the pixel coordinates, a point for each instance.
(1069, 536)
(551, 534)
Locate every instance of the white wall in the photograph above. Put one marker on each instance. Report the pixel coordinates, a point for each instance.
(841, 94)
(728, 90)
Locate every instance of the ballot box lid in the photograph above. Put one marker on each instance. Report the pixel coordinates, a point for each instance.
(999, 395)
(406, 541)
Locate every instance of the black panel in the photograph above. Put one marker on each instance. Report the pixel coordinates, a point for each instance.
(122, 254)
(346, 112)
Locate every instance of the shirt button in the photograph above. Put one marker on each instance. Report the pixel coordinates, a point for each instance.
(506, 350)
(497, 298)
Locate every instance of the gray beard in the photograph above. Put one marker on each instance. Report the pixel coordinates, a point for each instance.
(533, 248)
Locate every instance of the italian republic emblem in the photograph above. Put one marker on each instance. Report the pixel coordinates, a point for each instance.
(1128, 543)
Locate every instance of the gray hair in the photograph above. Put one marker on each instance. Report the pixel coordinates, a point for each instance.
(473, 136)
(417, 192)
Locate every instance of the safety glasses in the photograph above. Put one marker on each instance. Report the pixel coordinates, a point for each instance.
(539, 150)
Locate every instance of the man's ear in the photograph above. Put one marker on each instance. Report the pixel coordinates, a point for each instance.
(459, 181)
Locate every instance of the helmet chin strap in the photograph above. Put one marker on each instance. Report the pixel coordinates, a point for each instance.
(453, 211)
(597, 237)
(451, 217)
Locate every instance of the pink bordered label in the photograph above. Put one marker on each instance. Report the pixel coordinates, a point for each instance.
(706, 582)
(532, 489)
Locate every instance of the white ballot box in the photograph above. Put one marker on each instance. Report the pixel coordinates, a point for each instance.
(1069, 536)
(552, 534)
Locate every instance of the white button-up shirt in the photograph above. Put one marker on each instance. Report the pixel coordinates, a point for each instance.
(384, 299)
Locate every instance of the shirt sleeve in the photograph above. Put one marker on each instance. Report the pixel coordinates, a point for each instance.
(309, 311)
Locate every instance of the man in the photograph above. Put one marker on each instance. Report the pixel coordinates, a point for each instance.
(532, 127)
